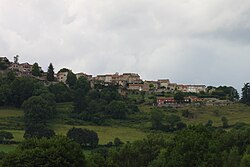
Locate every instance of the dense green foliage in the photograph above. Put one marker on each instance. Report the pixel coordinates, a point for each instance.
(36, 71)
(224, 121)
(103, 105)
(5, 136)
(50, 73)
(179, 97)
(57, 151)
(37, 111)
(117, 109)
(61, 91)
(246, 94)
(98, 104)
(71, 79)
(85, 137)
(225, 93)
(14, 91)
(169, 123)
(194, 146)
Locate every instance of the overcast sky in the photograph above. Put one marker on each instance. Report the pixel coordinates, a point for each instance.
(187, 41)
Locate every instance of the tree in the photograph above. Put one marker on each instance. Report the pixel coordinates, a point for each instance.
(110, 93)
(80, 101)
(84, 137)
(156, 119)
(83, 83)
(38, 131)
(22, 89)
(139, 153)
(16, 59)
(71, 79)
(187, 114)
(231, 159)
(117, 109)
(37, 111)
(193, 146)
(11, 76)
(96, 160)
(81, 87)
(5, 95)
(5, 136)
(245, 161)
(246, 94)
(224, 121)
(36, 70)
(151, 86)
(174, 123)
(209, 123)
(94, 94)
(179, 97)
(61, 91)
(57, 151)
(50, 73)
(117, 142)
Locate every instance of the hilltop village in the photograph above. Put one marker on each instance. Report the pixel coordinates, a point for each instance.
(105, 116)
(126, 83)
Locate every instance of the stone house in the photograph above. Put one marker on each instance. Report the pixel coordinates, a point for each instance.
(164, 82)
(23, 67)
(4, 59)
(88, 77)
(182, 88)
(196, 88)
(172, 87)
(138, 87)
(153, 85)
(131, 78)
(62, 76)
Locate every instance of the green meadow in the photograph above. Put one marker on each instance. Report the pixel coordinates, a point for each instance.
(135, 127)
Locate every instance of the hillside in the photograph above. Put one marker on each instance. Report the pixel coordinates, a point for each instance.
(135, 127)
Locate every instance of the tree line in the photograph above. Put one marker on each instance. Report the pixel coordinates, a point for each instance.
(194, 146)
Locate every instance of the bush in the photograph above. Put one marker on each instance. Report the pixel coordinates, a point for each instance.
(117, 142)
(57, 151)
(85, 137)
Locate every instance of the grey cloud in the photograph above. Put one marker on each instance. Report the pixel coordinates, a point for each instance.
(188, 41)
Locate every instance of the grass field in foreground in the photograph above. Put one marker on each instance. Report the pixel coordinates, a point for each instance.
(106, 134)
(7, 148)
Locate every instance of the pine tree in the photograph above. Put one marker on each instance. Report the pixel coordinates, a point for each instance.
(246, 94)
(50, 73)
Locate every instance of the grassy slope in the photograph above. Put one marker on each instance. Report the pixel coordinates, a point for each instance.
(234, 113)
(7, 148)
(11, 119)
(105, 133)
(134, 128)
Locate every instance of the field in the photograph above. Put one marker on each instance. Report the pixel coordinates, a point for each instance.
(234, 113)
(107, 134)
(136, 127)
(7, 148)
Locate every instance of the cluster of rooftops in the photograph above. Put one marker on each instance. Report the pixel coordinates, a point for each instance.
(128, 81)
(133, 81)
